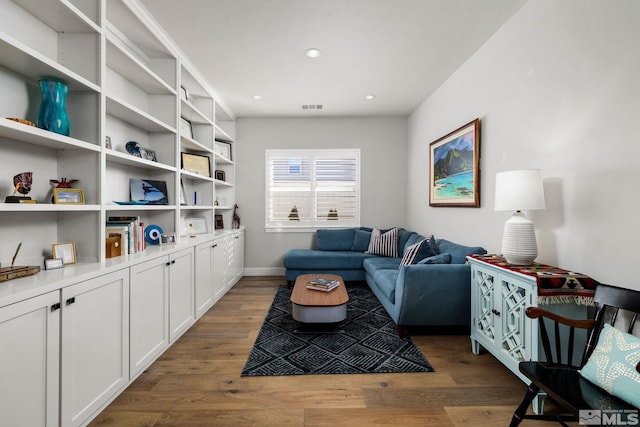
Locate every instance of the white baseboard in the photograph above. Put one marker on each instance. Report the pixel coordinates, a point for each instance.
(265, 271)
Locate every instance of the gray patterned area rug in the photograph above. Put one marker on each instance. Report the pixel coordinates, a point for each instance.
(367, 342)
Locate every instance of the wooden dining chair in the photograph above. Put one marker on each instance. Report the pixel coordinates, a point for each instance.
(557, 376)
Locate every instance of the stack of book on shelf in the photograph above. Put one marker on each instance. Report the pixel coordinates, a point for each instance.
(130, 231)
(320, 284)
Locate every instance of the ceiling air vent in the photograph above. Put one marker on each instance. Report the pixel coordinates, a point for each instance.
(312, 106)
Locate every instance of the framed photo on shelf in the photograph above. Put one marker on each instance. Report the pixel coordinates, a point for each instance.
(107, 142)
(223, 149)
(148, 191)
(148, 154)
(196, 226)
(219, 222)
(220, 175)
(68, 196)
(454, 172)
(196, 163)
(167, 239)
(66, 251)
(185, 128)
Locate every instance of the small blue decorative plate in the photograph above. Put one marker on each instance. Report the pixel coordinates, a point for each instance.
(152, 234)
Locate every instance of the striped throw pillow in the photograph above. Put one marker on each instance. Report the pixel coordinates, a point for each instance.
(411, 253)
(384, 244)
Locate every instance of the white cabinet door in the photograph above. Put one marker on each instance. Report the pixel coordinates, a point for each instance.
(484, 329)
(235, 259)
(29, 361)
(219, 267)
(204, 285)
(181, 293)
(149, 312)
(95, 344)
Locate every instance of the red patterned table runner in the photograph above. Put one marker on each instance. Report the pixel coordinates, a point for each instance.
(555, 285)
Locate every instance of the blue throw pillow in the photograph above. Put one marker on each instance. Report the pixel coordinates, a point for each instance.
(436, 259)
(361, 240)
(331, 239)
(612, 365)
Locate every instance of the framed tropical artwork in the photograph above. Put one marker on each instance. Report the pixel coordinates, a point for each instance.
(454, 168)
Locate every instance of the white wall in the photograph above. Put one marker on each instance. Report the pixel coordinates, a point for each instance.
(382, 141)
(557, 88)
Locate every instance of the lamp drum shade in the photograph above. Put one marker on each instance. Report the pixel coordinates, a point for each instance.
(519, 190)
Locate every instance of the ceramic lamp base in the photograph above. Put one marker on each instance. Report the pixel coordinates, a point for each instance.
(519, 245)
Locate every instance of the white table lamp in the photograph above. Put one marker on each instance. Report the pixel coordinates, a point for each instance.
(518, 191)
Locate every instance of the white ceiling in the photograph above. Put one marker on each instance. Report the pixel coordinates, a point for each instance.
(398, 50)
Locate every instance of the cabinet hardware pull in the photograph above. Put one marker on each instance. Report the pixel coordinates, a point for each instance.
(496, 312)
(55, 306)
(173, 262)
(71, 300)
(215, 246)
(168, 264)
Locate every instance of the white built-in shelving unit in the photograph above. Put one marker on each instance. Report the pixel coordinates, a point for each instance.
(77, 336)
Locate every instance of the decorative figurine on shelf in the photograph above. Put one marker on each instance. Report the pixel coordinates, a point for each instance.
(22, 184)
(293, 215)
(133, 148)
(235, 223)
(61, 183)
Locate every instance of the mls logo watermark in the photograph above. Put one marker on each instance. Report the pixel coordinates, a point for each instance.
(608, 417)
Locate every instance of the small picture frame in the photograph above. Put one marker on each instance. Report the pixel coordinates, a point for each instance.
(148, 154)
(196, 163)
(54, 263)
(185, 128)
(107, 142)
(183, 93)
(219, 222)
(223, 149)
(66, 251)
(167, 239)
(68, 196)
(220, 175)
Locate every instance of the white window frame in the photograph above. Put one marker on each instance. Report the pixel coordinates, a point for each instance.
(311, 224)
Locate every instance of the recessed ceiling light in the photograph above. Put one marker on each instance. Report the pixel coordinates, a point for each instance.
(370, 97)
(256, 97)
(313, 52)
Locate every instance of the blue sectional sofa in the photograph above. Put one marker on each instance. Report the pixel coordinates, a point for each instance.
(434, 291)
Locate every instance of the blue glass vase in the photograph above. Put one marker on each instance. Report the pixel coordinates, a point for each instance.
(52, 114)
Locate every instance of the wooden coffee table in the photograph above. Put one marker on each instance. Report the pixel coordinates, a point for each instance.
(311, 306)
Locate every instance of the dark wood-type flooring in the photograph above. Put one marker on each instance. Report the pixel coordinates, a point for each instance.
(197, 382)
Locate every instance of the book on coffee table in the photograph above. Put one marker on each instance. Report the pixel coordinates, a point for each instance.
(319, 281)
(323, 288)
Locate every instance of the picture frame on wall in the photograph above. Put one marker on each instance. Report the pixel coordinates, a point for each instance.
(454, 168)
(196, 163)
(223, 149)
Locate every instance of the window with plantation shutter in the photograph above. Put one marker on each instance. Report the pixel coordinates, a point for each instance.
(310, 189)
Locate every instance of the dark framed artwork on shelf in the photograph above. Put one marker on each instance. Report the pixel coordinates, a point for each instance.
(220, 175)
(223, 149)
(219, 222)
(196, 163)
(149, 191)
